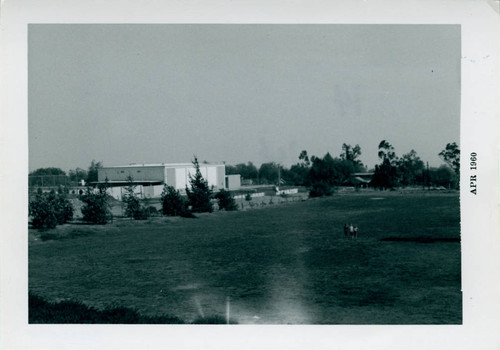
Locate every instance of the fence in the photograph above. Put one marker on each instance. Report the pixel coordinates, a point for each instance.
(49, 181)
(268, 201)
(253, 195)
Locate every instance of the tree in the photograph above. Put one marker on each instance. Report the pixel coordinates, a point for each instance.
(50, 209)
(93, 171)
(63, 208)
(451, 155)
(269, 173)
(96, 208)
(47, 171)
(41, 210)
(247, 171)
(442, 176)
(326, 173)
(226, 201)
(77, 175)
(231, 170)
(173, 204)
(410, 168)
(297, 174)
(386, 151)
(342, 171)
(386, 174)
(321, 176)
(351, 155)
(134, 208)
(200, 194)
(47, 177)
(304, 158)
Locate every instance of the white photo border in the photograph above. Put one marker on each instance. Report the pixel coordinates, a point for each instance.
(480, 133)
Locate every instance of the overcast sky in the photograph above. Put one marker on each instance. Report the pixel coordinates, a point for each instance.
(125, 94)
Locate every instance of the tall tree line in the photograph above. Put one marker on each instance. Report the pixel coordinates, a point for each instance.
(323, 174)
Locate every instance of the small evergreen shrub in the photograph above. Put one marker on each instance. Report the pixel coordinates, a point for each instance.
(134, 208)
(152, 211)
(173, 204)
(64, 209)
(200, 194)
(50, 209)
(96, 208)
(321, 188)
(226, 201)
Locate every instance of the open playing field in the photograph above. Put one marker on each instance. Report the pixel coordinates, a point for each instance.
(284, 264)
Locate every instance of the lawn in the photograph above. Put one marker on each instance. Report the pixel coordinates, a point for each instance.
(283, 264)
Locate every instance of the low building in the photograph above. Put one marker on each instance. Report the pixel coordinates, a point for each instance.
(233, 182)
(359, 180)
(150, 178)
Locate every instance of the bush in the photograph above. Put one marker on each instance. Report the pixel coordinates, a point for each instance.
(173, 204)
(96, 208)
(49, 209)
(135, 209)
(42, 311)
(41, 210)
(226, 201)
(64, 209)
(152, 211)
(322, 175)
(321, 188)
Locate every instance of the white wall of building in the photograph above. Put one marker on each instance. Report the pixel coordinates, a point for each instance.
(176, 175)
(233, 182)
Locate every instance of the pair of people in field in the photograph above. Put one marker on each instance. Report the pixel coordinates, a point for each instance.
(350, 230)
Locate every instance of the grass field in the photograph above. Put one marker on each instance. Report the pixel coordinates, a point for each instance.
(287, 264)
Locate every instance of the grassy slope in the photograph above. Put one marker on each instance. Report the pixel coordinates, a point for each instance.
(287, 264)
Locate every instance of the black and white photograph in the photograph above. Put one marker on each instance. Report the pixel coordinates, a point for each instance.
(262, 174)
(198, 178)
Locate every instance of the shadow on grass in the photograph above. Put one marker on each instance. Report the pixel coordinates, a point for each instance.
(42, 311)
(372, 296)
(47, 236)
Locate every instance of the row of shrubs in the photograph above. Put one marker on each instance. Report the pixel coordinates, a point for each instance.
(42, 311)
(50, 209)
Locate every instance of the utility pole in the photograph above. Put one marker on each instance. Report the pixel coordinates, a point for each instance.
(279, 175)
(428, 178)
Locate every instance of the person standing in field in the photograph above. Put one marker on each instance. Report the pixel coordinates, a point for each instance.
(355, 233)
(351, 230)
(346, 230)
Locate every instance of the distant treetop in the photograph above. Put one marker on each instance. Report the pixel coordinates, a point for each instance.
(47, 171)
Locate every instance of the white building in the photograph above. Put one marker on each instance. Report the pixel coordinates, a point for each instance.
(150, 178)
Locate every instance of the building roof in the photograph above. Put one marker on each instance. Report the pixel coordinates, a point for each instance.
(362, 174)
(359, 179)
(127, 182)
(166, 165)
